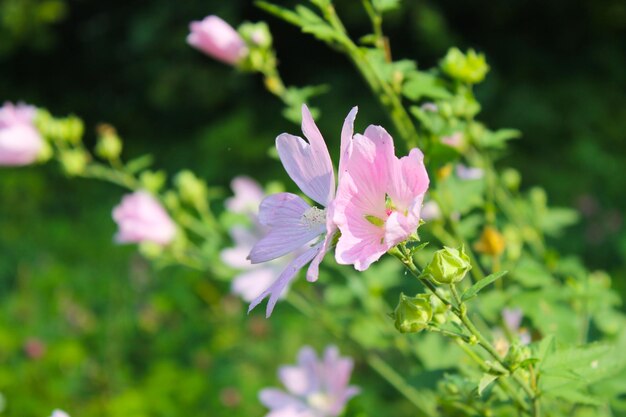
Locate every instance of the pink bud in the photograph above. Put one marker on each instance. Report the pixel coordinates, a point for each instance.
(141, 218)
(218, 39)
(20, 142)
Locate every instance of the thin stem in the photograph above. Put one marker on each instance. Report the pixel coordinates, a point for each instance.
(503, 383)
(449, 333)
(398, 382)
(384, 92)
(407, 261)
(484, 343)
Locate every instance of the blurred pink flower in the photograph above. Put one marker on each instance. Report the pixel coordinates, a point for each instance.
(430, 107)
(218, 39)
(247, 196)
(20, 142)
(512, 318)
(454, 140)
(469, 173)
(141, 218)
(291, 221)
(430, 211)
(315, 388)
(34, 348)
(379, 198)
(59, 413)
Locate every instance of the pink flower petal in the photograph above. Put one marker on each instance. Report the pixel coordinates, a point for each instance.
(347, 132)
(407, 179)
(248, 195)
(274, 398)
(276, 289)
(249, 285)
(308, 164)
(283, 213)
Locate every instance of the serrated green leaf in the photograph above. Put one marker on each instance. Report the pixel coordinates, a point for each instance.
(485, 381)
(421, 84)
(474, 289)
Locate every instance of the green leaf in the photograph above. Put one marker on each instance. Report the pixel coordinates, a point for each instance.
(382, 6)
(474, 289)
(498, 139)
(138, 164)
(280, 12)
(485, 381)
(558, 218)
(421, 84)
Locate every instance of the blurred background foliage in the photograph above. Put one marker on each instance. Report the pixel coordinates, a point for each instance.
(92, 328)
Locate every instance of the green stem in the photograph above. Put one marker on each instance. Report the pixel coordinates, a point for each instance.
(407, 261)
(384, 92)
(449, 333)
(484, 343)
(398, 382)
(503, 383)
(102, 172)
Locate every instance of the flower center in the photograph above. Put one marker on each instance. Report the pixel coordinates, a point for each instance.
(319, 401)
(314, 217)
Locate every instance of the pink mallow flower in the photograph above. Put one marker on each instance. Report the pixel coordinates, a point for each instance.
(469, 173)
(218, 39)
(254, 278)
(379, 198)
(315, 388)
(141, 218)
(291, 221)
(20, 142)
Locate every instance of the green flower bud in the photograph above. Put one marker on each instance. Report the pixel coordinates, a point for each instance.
(45, 153)
(73, 129)
(109, 144)
(74, 161)
(413, 313)
(511, 179)
(152, 181)
(469, 68)
(191, 188)
(256, 34)
(448, 266)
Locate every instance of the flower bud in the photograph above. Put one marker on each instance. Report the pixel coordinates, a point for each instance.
(448, 266)
(191, 188)
(74, 161)
(109, 144)
(218, 39)
(141, 218)
(20, 142)
(469, 68)
(152, 181)
(413, 313)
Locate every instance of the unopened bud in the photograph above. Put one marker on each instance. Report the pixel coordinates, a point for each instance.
(448, 266)
(109, 144)
(413, 314)
(470, 68)
(191, 188)
(74, 161)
